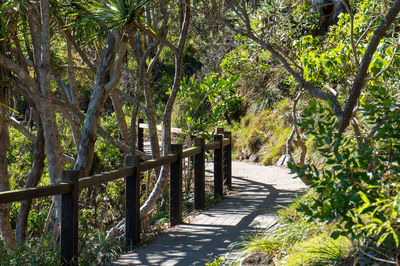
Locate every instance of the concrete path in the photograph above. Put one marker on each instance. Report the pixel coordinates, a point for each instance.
(258, 192)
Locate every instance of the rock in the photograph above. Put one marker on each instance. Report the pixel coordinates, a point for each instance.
(281, 161)
(254, 158)
(258, 258)
(284, 159)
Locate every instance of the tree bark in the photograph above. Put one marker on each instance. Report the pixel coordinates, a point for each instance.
(5, 225)
(120, 117)
(151, 118)
(73, 96)
(32, 181)
(105, 82)
(162, 180)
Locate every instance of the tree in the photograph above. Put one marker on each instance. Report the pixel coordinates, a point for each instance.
(185, 11)
(343, 112)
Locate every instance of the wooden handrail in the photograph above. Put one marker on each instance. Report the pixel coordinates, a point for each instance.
(104, 177)
(31, 193)
(159, 128)
(192, 151)
(37, 192)
(71, 187)
(226, 142)
(154, 163)
(212, 146)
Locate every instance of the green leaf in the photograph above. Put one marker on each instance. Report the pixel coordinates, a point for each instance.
(376, 220)
(396, 238)
(364, 198)
(8, 107)
(382, 238)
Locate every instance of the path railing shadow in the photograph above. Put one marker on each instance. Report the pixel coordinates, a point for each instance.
(212, 231)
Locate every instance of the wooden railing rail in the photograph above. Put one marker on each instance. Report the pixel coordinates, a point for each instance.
(72, 184)
(159, 128)
(32, 193)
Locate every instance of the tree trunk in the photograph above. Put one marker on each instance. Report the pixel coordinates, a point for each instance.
(103, 86)
(32, 181)
(73, 97)
(5, 225)
(120, 117)
(162, 180)
(151, 118)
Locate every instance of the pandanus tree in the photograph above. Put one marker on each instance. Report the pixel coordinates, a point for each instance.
(32, 71)
(29, 60)
(122, 17)
(35, 87)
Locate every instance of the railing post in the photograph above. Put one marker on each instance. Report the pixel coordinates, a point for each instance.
(132, 204)
(140, 135)
(228, 161)
(199, 176)
(69, 218)
(175, 187)
(218, 167)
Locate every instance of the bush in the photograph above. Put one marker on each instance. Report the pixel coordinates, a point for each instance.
(359, 186)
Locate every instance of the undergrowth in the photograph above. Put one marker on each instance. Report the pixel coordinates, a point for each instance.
(294, 240)
(261, 137)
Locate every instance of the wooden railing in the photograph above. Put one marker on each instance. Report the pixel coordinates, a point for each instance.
(72, 184)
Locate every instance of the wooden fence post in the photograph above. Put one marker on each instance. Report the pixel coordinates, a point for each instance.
(218, 169)
(199, 176)
(175, 187)
(132, 204)
(228, 161)
(140, 135)
(69, 218)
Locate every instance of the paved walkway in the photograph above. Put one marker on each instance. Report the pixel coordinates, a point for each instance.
(258, 192)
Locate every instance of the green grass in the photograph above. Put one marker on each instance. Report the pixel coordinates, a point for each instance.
(319, 249)
(263, 134)
(294, 240)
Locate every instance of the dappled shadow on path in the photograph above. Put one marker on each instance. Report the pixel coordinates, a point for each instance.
(211, 232)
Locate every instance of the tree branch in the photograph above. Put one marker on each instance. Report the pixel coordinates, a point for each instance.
(353, 46)
(18, 70)
(360, 79)
(117, 70)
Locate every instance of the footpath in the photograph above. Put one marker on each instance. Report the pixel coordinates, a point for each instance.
(259, 191)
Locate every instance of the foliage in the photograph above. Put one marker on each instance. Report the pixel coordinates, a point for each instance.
(262, 84)
(196, 99)
(358, 187)
(33, 253)
(294, 240)
(320, 250)
(264, 134)
(94, 250)
(216, 262)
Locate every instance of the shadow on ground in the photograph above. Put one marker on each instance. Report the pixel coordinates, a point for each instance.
(251, 207)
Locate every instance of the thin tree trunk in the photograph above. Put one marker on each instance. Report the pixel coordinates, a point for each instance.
(32, 181)
(103, 86)
(73, 97)
(151, 119)
(5, 225)
(162, 180)
(120, 117)
(41, 38)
